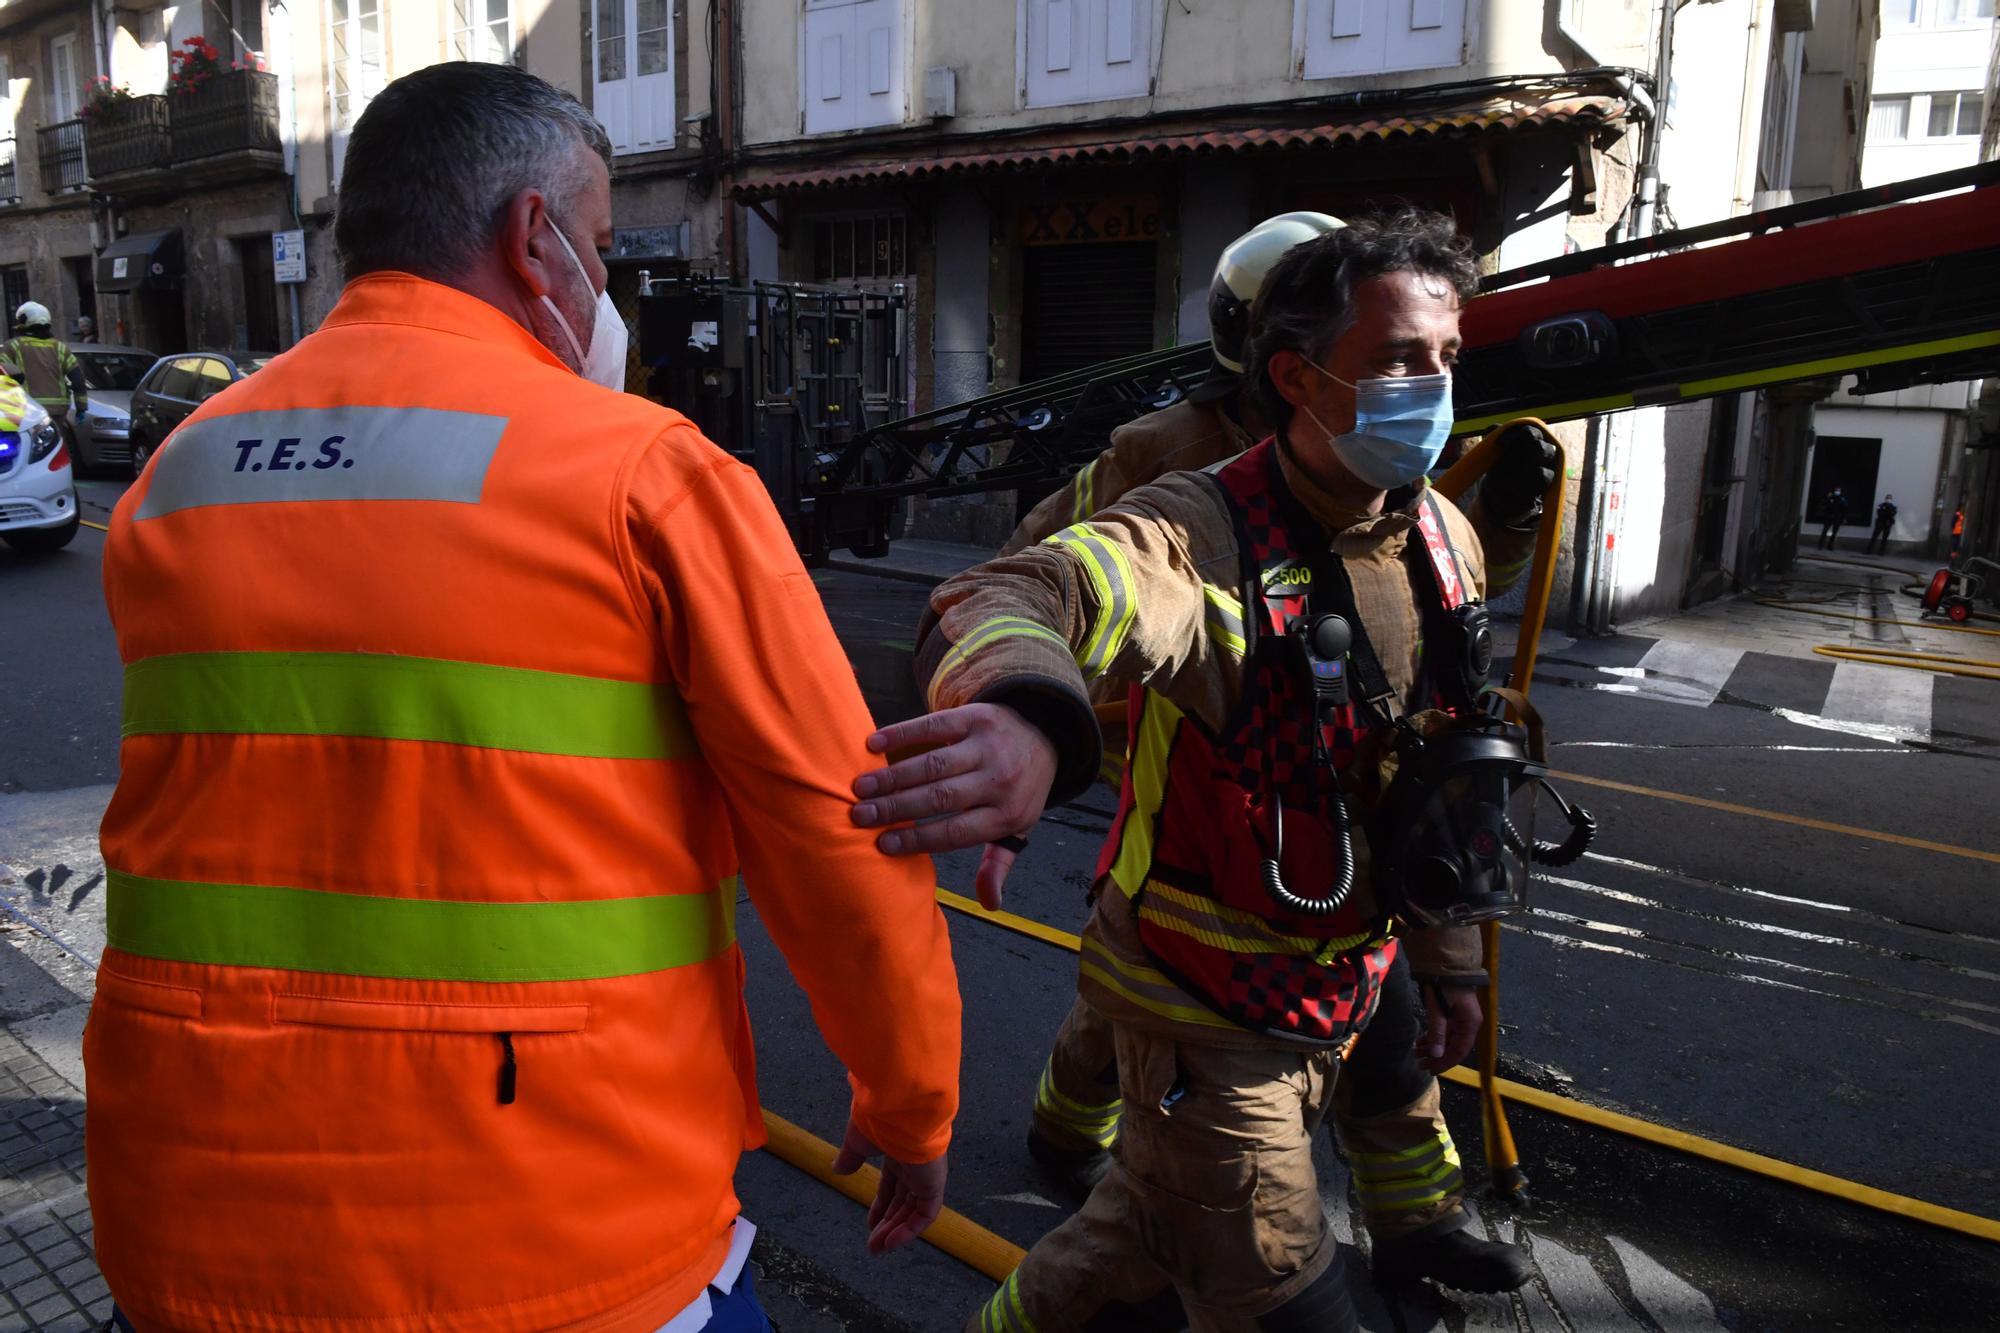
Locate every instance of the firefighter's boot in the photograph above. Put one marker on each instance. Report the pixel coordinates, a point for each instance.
(1456, 1259)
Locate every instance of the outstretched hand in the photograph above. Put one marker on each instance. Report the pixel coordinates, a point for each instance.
(983, 773)
(908, 1199)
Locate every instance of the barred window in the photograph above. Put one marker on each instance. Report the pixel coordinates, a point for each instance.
(860, 247)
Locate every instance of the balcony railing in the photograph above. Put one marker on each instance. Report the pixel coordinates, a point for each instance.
(10, 184)
(231, 113)
(61, 150)
(131, 135)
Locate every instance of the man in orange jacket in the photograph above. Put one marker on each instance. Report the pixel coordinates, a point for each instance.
(458, 691)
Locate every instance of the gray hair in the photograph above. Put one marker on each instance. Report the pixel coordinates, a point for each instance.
(438, 154)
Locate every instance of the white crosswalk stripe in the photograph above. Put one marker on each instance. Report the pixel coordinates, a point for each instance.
(1890, 701)
(1674, 1305)
(1683, 673)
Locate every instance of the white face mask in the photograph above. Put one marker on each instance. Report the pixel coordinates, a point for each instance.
(605, 362)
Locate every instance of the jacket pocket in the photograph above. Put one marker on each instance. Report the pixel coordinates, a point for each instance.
(500, 1022)
(401, 1016)
(153, 997)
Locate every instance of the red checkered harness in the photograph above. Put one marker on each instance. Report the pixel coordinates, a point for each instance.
(1195, 884)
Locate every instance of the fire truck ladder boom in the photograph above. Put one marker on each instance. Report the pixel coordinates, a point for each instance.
(1896, 285)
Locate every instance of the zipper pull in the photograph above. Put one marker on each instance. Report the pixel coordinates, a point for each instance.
(507, 1069)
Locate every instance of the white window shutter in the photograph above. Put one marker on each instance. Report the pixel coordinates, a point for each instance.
(878, 62)
(831, 58)
(1055, 39)
(1347, 18)
(1119, 16)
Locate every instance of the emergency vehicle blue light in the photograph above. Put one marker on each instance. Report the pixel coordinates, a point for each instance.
(10, 444)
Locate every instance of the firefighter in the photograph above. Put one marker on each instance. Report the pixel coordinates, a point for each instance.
(459, 688)
(1076, 1098)
(46, 366)
(1230, 1009)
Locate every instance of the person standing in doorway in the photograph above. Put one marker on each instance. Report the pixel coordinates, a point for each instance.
(1835, 515)
(1885, 519)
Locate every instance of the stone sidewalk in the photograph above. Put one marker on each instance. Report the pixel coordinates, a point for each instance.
(49, 1280)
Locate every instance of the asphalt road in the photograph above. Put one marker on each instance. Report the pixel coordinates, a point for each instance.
(1824, 998)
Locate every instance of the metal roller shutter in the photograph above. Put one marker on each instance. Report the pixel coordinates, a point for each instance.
(1084, 304)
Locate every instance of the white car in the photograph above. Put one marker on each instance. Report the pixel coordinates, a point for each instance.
(37, 484)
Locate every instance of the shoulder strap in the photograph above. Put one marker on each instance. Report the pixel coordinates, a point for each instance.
(1454, 589)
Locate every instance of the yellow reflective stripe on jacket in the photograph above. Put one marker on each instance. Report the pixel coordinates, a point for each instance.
(1111, 575)
(1085, 492)
(1004, 1313)
(1151, 744)
(1225, 619)
(1147, 987)
(1220, 926)
(988, 632)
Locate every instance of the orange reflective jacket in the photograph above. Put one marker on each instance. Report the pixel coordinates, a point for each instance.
(457, 691)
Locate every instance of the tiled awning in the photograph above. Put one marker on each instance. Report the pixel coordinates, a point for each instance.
(943, 158)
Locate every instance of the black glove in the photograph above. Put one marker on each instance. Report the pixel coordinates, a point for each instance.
(1513, 490)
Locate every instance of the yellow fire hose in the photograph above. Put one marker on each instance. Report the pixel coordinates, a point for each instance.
(1972, 668)
(1503, 1160)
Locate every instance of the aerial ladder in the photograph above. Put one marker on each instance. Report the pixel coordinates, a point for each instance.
(1895, 285)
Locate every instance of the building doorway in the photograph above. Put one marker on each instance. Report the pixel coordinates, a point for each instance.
(260, 294)
(82, 273)
(13, 291)
(1085, 304)
(1848, 463)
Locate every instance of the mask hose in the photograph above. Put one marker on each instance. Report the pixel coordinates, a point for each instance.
(1582, 832)
(1343, 880)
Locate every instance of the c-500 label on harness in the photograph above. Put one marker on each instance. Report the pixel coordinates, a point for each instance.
(339, 453)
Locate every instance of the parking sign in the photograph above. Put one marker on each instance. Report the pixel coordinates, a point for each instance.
(288, 256)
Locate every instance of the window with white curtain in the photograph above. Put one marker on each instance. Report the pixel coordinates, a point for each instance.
(482, 30)
(1964, 11)
(1888, 119)
(632, 71)
(357, 66)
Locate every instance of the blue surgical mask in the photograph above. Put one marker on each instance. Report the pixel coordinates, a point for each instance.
(1400, 426)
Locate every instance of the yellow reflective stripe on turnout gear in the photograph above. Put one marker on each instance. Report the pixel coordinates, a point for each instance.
(1086, 492)
(1111, 575)
(1099, 1124)
(1212, 922)
(989, 632)
(1225, 619)
(1409, 1179)
(1150, 745)
(1147, 987)
(1004, 1313)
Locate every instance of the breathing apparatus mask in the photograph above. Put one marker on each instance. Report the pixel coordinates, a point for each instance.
(1453, 834)
(1451, 838)
(604, 363)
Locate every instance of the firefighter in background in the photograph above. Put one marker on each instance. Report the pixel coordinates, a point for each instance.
(460, 686)
(47, 368)
(1230, 1012)
(1076, 1099)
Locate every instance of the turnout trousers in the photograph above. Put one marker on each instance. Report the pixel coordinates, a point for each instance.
(1387, 1112)
(1211, 1207)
